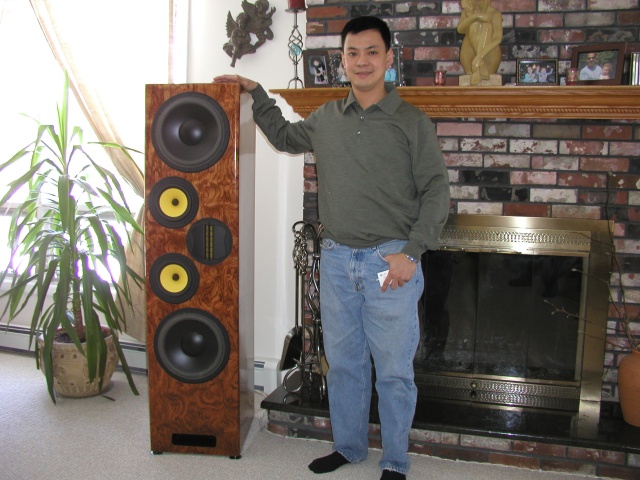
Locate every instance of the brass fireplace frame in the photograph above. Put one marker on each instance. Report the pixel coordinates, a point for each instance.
(586, 238)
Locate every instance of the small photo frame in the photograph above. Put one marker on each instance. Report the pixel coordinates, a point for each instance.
(338, 74)
(317, 68)
(536, 72)
(394, 75)
(599, 64)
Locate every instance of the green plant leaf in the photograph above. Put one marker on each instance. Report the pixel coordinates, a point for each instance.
(60, 236)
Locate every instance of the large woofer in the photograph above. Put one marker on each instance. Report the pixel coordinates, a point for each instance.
(174, 278)
(173, 202)
(192, 345)
(190, 132)
(209, 241)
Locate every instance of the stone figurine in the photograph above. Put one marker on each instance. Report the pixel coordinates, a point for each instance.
(481, 25)
(254, 19)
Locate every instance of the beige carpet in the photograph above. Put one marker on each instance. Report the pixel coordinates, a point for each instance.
(98, 438)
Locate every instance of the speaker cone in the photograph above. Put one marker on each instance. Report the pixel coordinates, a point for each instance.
(173, 202)
(190, 132)
(174, 278)
(192, 345)
(209, 241)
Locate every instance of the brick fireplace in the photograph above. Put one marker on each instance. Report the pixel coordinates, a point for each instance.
(550, 152)
(513, 160)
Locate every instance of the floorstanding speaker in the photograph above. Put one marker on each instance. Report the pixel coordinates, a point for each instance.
(199, 231)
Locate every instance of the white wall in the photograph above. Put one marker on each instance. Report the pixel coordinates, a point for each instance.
(279, 177)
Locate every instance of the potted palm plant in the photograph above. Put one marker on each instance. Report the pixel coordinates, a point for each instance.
(68, 267)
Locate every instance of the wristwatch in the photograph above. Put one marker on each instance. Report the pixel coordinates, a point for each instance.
(411, 259)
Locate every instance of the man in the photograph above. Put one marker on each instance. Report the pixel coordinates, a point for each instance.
(383, 199)
(591, 71)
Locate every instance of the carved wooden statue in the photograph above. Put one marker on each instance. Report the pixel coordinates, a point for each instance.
(481, 24)
(255, 19)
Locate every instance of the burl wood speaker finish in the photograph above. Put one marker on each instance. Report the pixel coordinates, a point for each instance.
(199, 221)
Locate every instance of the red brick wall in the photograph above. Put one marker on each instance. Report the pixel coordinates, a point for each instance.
(547, 168)
(541, 456)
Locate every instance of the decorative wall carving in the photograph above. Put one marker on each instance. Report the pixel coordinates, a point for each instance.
(254, 19)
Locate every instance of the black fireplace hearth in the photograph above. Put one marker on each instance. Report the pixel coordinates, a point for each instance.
(525, 424)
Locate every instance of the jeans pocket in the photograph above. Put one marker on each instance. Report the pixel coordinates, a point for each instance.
(387, 248)
(328, 244)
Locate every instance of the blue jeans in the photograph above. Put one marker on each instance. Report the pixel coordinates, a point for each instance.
(360, 322)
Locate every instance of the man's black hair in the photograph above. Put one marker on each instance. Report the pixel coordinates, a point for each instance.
(360, 24)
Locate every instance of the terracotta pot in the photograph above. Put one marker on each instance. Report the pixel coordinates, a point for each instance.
(71, 371)
(629, 388)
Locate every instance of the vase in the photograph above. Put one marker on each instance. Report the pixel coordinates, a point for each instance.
(629, 388)
(71, 370)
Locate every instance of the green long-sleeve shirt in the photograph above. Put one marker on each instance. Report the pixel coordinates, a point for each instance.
(381, 175)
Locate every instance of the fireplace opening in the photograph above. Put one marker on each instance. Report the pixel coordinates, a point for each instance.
(507, 315)
(514, 314)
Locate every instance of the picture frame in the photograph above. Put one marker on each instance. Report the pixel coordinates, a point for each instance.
(338, 74)
(537, 72)
(394, 75)
(608, 56)
(317, 69)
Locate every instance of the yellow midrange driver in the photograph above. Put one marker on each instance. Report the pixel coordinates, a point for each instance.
(173, 202)
(174, 278)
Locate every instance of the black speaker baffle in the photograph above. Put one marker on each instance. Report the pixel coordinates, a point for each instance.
(173, 202)
(209, 241)
(174, 278)
(192, 345)
(190, 132)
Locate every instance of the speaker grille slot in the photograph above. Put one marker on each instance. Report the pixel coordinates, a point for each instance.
(190, 440)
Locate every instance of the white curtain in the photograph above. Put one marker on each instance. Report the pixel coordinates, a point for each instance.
(110, 51)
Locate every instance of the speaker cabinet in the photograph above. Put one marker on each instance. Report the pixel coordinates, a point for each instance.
(199, 229)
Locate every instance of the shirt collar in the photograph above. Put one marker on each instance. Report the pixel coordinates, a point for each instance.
(389, 104)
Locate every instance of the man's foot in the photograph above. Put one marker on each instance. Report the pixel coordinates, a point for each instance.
(328, 464)
(392, 475)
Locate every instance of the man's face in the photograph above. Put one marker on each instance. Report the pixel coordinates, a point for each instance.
(591, 60)
(365, 59)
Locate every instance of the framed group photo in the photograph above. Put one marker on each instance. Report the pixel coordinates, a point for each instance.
(537, 72)
(600, 64)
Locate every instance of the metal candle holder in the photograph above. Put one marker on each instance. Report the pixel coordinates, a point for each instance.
(295, 48)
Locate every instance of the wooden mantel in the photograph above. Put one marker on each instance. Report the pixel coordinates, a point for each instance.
(578, 102)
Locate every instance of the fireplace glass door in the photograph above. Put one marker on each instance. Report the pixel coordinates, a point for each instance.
(502, 315)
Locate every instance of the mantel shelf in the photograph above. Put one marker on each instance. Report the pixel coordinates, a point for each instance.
(577, 102)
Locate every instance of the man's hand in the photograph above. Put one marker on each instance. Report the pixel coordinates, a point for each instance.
(401, 270)
(245, 83)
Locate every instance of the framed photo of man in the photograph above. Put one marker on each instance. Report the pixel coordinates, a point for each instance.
(599, 64)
